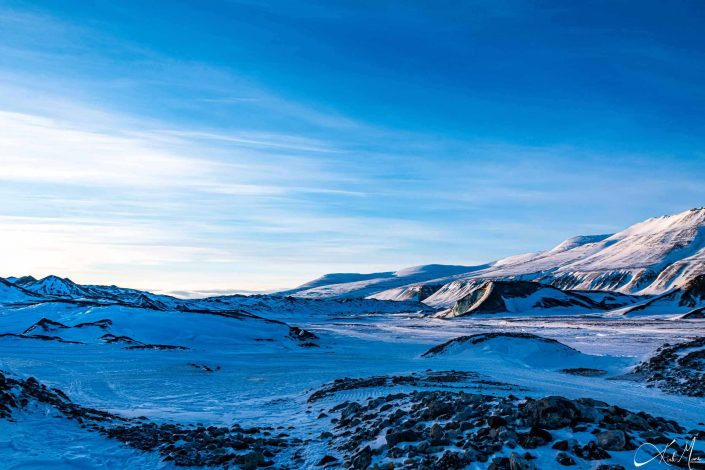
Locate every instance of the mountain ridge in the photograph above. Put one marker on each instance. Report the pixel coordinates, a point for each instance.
(647, 258)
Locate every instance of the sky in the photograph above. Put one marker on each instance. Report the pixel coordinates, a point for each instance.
(239, 146)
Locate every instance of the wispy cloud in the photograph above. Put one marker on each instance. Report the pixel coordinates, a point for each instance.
(172, 167)
(98, 204)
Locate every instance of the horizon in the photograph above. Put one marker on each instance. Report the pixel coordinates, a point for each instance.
(253, 147)
(206, 293)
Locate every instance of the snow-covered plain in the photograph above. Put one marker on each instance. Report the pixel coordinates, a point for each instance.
(261, 376)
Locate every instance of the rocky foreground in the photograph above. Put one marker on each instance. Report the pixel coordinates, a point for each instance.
(419, 430)
(452, 430)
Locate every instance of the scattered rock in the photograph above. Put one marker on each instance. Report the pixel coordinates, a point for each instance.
(677, 369)
(565, 459)
(584, 371)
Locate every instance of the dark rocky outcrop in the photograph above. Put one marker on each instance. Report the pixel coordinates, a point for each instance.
(427, 379)
(490, 297)
(442, 429)
(303, 337)
(39, 337)
(677, 369)
(584, 371)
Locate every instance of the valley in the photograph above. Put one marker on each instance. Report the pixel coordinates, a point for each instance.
(520, 371)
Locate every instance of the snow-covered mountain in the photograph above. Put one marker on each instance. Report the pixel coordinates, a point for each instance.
(52, 285)
(349, 285)
(51, 289)
(648, 258)
(687, 301)
(10, 293)
(650, 267)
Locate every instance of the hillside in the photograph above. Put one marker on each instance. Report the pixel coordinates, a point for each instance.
(649, 258)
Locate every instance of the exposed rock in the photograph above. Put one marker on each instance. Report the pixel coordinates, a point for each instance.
(426, 428)
(112, 339)
(362, 459)
(450, 461)
(584, 371)
(416, 380)
(39, 337)
(407, 435)
(536, 437)
(516, 462)
(591, 451)
(550, 412)
(612, 440)
(45, 325)
(496, 421)
(677, 369)
(157, 347)
(565, 459)
(182, 445)
(305, 338)
(327, 459)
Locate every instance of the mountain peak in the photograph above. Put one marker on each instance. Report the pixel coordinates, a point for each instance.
(54, 285)
(580, 240)
(24, 280)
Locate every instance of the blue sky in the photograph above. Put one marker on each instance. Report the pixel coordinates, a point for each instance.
(250, 145)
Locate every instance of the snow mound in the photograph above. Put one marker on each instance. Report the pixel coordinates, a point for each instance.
(521, 349)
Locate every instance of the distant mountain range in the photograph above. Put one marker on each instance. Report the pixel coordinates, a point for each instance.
(654, 267)
(662, 255)
(27, 290)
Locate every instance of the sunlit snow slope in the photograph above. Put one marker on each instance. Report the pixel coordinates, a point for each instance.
(652, 257)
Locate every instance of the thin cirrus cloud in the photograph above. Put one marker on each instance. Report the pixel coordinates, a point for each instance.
(104, 206)
(235, 160)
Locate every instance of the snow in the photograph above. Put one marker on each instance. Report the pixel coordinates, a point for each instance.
(265, 378)
(55, 286)
(64, 445)
(361, 285)
(580, 240)
(10, 293)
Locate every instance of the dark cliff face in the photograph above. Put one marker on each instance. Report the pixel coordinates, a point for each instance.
(490, 298)
(694, 292)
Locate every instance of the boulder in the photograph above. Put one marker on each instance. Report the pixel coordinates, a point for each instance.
(612, 440)
(550, 412)
(407, 435)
